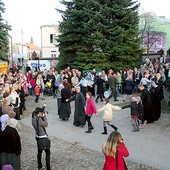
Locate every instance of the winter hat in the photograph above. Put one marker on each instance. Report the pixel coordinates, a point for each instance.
(136, 99)
(38, 109)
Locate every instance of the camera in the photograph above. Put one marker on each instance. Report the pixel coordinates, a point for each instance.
(40, 109)
(43, 108)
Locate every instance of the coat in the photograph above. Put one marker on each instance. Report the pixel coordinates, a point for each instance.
(110, 162)
(90, 107)
(108, 111)
(10, 149)
(135, 108)
(100, 87)
(64, 108)
(37, 90)
(79, 113)
(147, 106)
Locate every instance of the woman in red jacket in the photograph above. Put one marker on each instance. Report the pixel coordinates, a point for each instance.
(115, 150)
(89, 111)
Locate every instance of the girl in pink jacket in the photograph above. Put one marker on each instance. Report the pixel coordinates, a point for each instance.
(89, 110)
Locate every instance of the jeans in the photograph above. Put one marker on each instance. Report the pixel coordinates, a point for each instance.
(39, 155)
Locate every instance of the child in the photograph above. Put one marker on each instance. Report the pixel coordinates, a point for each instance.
(114, 150)
(89, 111)
(48, 88)
(37, 93)
(136, 108)
(108, 114)
(33, 84)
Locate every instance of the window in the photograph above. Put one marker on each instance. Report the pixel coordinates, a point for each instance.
(53, 39)
(53, 54)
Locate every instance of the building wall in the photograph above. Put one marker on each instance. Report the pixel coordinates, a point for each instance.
(163, 24)
(160, 24)
(158, 45)
(48, 42)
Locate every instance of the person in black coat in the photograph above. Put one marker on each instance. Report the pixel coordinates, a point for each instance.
(10, 144)
(100, 88)
(157, 95)
(79, 112)
(64, 108)
(21, 93)
(149, 115)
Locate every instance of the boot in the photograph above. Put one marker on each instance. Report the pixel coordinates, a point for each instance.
(89, 130)
(105, 131)
(97, 99)
(114, 127)
(91, 126)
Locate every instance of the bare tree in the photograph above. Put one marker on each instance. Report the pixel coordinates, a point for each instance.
(148, 31)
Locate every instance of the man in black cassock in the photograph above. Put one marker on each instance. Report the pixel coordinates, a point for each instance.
(79, 113)
(147, 105)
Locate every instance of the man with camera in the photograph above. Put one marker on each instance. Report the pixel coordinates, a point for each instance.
(39, 122)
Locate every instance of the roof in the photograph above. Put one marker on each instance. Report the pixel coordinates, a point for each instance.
(32, 46)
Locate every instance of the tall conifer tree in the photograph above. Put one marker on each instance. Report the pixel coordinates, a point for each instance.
(99, 34)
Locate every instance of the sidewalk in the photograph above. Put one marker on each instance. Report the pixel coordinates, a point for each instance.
(147, 147)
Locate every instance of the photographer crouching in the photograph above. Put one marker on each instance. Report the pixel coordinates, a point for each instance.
(39, 122)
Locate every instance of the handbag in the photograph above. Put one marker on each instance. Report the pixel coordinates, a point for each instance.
(42, 143)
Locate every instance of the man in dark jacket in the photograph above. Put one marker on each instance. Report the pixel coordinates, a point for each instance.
(112, 85)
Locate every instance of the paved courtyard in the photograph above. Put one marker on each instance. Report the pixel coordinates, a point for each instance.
(73, 149)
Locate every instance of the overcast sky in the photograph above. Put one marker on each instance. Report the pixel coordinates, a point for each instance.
(29, 15)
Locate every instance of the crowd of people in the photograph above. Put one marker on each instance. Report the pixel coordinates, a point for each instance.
(144, 84)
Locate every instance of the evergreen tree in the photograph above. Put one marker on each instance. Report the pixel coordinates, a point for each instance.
(99, 34)
(3, 35)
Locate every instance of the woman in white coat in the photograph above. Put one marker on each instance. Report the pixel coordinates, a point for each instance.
(108, 114)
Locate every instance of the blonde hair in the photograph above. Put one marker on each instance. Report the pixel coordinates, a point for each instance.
(109, 147)
(5, 101)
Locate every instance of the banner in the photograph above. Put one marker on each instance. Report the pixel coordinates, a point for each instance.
(43, 64)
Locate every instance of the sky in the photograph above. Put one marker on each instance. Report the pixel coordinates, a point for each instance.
(26, 16)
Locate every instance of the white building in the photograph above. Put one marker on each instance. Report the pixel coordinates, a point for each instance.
(48, 41)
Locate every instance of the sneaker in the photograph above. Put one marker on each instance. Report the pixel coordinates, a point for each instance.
(144, 123)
